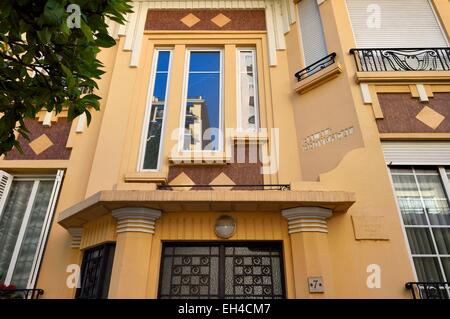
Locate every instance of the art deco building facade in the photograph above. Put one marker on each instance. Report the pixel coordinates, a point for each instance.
(245, 148)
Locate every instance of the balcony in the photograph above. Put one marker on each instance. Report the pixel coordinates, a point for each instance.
(387, 60)
(397, 64)
(429, 290)
(8, 293)
(317, 73)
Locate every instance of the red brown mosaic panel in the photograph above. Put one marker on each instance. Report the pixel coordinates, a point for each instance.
(400, 111)
(58, 134)
(240, 20)
(246, 173)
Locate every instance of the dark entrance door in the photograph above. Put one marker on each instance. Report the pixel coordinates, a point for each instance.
(222, 270)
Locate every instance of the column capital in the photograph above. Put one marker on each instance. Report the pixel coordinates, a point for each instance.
(307, 219)
(136, 219)
(75, 233)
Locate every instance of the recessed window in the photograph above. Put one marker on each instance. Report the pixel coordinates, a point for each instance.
(154, 120)
(423, 198)
(96, 272)
(203, 101)
(247, 90)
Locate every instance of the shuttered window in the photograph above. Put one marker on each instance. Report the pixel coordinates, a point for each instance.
(27, 205)
(417, 153)
(395, 24)
(313, 39)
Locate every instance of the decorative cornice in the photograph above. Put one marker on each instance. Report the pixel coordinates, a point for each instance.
(136, 219)
(279, 15)
(307, 219)
(76, 234)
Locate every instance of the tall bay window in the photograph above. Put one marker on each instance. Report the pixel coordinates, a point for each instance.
(247, 90)
(26, 209)
(423, 198)
(203, 101)
(156, 112)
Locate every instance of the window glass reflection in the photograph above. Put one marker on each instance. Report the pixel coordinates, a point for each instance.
(247, 91)
(203, 101)
(158, 105)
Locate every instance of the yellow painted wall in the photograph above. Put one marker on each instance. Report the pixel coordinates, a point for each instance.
(58, 255)
(98, 231)
(106, 152)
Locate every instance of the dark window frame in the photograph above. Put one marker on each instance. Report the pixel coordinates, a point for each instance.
(104, 265)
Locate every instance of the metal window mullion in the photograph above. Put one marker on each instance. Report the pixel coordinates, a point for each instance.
(426, 226)
(405, 236)
(445, 182)
(430, 228)
(446, 185)
(21, 235)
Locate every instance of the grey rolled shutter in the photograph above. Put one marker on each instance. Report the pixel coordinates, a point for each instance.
(313, 39)
(417, 153)
(402, 24)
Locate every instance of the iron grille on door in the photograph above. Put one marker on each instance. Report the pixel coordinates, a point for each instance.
(222, 270)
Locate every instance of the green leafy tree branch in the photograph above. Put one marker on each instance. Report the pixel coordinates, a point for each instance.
(47, 59)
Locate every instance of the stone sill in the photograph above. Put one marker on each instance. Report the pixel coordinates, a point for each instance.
(402, 76)
(200, 159)
(145, 177)
(318, 78)
(250, 138)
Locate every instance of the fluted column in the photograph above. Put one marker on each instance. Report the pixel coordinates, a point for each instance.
(135, 229)
(308, 232)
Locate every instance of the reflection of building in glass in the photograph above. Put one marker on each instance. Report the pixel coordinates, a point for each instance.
(197, 122)
(156, 118)
(247, 91)
(154, 132)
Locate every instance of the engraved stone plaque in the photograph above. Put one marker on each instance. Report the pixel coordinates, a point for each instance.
(370, 228)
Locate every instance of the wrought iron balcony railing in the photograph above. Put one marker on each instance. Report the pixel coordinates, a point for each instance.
(429, 290)
(315, 67)
(20, 293)
(384, 60)
(280, 187)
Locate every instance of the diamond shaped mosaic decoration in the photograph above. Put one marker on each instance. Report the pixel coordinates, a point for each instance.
(222, 179)
(190, 20)
(41, 144)
(430, 117)
(182, 179)
(220, 20)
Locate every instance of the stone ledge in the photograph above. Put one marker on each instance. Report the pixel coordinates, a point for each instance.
(319, 78)
(104, 202)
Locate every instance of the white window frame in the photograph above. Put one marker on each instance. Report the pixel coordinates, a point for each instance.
(446, 186)
(238, 89)
(184, 99)
(45, 226)
(146, 124)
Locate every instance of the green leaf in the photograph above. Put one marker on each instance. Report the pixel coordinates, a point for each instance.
(86, 30)
(54, 12)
